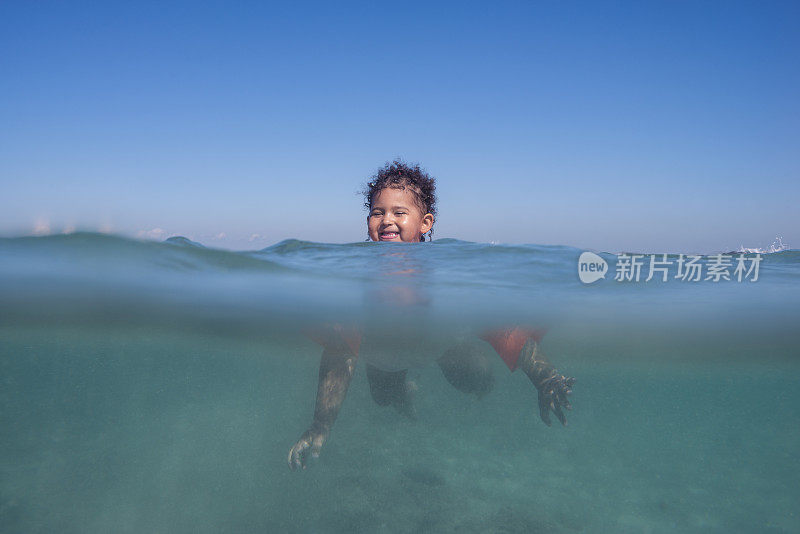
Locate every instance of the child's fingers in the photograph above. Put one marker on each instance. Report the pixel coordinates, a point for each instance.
(560, 415)
(544, 411)
(297, 455)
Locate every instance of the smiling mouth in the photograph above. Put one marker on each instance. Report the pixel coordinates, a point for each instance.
(388, 236)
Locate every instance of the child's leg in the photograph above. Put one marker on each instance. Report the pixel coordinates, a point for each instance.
(386, 387)
(467, 369)
(391, 387)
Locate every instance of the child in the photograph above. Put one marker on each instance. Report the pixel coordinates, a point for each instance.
(401, 201)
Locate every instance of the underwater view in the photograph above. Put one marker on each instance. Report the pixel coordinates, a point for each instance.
(163, 387)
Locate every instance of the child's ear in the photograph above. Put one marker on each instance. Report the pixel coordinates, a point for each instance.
(427, 223)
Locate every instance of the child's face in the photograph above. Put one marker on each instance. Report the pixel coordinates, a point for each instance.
(396, 217)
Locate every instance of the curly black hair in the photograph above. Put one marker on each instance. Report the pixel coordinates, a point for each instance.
(400, 175)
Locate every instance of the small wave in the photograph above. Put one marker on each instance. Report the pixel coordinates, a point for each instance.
(181, 241)
(95, 253)
(777, 246)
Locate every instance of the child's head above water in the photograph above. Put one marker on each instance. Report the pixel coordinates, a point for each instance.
(401, 200)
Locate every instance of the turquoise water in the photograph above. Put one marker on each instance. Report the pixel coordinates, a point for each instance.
(158, 387)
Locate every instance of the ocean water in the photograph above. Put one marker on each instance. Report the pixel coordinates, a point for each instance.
(158, 387)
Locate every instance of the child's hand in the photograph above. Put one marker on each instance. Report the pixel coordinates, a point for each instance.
(553, 396)
(310, 442)
(553, 387)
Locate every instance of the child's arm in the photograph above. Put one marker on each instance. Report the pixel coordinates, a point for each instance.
(339, 357)
(519, 348)
(553, 387)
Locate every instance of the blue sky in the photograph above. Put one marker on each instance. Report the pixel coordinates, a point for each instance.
(651, 126)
